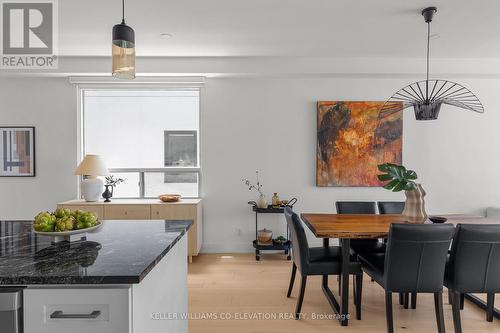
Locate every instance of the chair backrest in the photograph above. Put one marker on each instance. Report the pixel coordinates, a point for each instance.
(474, 265)
(300, 246)
(391, 207)
(355, 207)
(416, 257)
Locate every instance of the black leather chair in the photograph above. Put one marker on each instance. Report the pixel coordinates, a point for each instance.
(397, 207)
(474, 266)
(316, 261)
(391, 207)
(415, 261)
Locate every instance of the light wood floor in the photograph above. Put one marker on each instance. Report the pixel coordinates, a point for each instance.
(233, 285)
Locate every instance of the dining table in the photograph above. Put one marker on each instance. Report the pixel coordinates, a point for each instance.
(345, 227)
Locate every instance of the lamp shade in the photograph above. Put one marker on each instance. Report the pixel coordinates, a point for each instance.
(123, 50)
(92, 165)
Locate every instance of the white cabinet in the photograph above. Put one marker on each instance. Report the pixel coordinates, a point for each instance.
(130, 308)
(77, 310)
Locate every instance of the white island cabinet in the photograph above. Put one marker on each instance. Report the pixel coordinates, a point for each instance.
(120, 286)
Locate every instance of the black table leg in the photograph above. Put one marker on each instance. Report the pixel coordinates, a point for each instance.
(324, 281)
(330, 297)
(482, 304)
(341, 310)
(344, 308)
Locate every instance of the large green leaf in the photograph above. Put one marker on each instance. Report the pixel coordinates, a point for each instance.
(384, 177)
(398, 178)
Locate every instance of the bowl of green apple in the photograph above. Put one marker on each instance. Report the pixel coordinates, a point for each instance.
(63, 223)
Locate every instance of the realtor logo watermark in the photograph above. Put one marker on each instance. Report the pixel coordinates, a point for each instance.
(29, 34)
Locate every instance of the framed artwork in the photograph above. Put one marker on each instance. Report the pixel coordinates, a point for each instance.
(352, 139)
(17, 151)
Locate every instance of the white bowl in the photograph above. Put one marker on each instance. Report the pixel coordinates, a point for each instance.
(66, 235)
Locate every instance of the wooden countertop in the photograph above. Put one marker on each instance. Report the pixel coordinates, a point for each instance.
(130, 202)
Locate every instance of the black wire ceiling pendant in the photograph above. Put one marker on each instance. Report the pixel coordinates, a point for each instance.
(427, 96)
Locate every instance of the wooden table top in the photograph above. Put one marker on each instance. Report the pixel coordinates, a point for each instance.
(370, 225)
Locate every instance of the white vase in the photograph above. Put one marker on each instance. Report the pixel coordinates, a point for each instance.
(415, 205)
(92, 188)
(261, 201)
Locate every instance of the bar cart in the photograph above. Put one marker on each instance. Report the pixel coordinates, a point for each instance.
(275, 246)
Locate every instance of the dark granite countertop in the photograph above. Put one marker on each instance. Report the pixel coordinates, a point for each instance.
(120, 252)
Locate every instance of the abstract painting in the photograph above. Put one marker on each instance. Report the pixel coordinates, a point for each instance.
(17, 151)
(352, 139)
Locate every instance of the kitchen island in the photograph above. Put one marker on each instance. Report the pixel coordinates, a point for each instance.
(129, 276)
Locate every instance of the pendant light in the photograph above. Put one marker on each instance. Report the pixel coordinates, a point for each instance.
(426, 97)
(123, 49)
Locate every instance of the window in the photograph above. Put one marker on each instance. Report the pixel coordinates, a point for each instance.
(148, 137)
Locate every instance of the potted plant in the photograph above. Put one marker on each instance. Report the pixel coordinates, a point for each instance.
(261, 201)
(111, 183)
(397, 179)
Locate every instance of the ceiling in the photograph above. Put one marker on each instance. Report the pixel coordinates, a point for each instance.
(330, 28)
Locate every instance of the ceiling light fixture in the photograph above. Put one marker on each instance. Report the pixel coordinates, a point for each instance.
(123, 49)
(426, 97)
(166, 35)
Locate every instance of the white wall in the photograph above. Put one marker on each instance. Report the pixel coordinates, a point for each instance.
(270, 125)
(267, 124)
(49, 105)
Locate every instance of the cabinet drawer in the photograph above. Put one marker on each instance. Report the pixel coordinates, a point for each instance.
(173, 212)
(181, 212)
(99, 210)
(77, 310)
(127, 212)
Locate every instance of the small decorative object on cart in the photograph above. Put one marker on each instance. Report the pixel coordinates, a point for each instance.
(261, 202)
(111, 183)
(276, 200)
(265, 237)
(280, 240)
(289, 203)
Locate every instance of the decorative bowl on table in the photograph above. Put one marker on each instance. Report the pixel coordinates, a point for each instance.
(438, 219)
(170, 197)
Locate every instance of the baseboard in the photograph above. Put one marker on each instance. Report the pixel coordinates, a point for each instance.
(239, 247)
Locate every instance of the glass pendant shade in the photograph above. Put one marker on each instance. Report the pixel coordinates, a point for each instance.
(123, 51)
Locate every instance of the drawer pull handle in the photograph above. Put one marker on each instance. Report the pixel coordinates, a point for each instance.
(61, 315)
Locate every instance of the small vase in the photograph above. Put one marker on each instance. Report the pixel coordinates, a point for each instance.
(415, 205)
(261, 201)
(108, 193)
(275, 201)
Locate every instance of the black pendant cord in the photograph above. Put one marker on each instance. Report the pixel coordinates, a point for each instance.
(428, 56)
(123, 11)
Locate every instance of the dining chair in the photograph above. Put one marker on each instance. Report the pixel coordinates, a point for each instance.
(415, 261)
(391, 207)
(474, 266)
(322, 261)
(397, 207)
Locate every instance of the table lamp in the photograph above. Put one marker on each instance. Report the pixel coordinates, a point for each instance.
(91, 186)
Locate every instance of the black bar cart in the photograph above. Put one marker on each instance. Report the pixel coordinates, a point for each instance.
(275, 246)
